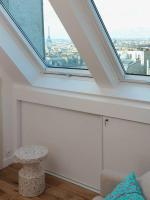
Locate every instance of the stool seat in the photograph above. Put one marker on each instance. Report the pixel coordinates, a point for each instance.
(31, 176)
(31, 154)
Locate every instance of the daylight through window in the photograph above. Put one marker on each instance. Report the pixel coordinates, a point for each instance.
(45, 32)
(59, 48)
(129, 28)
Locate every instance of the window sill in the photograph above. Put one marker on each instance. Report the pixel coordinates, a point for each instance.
(126, 101)
(75, 84)
(137, 79)
(88, 86)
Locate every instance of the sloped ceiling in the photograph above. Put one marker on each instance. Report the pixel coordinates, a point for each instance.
(7, 65)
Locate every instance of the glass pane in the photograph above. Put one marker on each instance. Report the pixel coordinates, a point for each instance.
(28, 20)
(59, 49)
(128, 26)
(44, 31)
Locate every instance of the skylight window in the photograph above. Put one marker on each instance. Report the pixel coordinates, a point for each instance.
(59, 48)
(45, 32)
(129, 31)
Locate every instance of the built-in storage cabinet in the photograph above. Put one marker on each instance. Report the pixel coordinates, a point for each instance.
(74, 140)
(81, 144)
(126, 145)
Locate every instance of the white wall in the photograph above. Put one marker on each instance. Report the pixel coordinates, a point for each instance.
(9, 76)
(1, 130)
(6, 112)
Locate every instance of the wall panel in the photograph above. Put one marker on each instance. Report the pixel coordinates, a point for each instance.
(126, 145)
(74, 140)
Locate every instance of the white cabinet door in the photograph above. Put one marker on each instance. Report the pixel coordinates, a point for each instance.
(74, 140)
(126, 145)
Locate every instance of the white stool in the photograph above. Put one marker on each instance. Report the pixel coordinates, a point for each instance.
(31, 176)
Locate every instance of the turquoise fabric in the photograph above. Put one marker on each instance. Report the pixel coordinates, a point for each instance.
(128, 189)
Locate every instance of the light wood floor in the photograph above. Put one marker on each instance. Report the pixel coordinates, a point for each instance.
(56, 189)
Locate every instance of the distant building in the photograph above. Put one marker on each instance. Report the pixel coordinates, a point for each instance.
(137, 69)
(136, 61)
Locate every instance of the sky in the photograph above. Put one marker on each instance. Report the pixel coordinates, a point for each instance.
(129, 18)
(123, 19)
(51, 20)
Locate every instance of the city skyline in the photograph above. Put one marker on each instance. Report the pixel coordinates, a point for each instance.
(132, 43)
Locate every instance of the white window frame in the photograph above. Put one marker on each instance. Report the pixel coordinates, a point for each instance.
(124, 77)
(90, 38)
(67, 72)
(136, 79)
(72, 9)
(87, 40)
(46, 70)
(109, 64)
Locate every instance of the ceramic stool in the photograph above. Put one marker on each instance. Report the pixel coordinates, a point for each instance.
(31, 176)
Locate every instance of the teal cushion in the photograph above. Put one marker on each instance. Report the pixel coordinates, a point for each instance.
(128, 189)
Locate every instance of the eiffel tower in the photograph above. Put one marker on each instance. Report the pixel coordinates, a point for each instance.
(49, 41)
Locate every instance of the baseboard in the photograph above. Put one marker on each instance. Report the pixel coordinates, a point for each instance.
(72, 181)
(8, 161)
